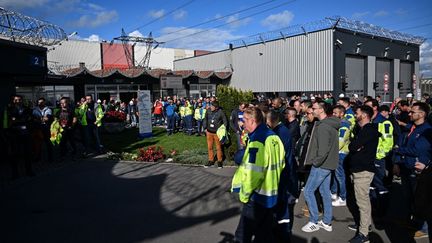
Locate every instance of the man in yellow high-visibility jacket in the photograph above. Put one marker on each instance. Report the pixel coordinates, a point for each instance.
(385, 145)
(257, 178)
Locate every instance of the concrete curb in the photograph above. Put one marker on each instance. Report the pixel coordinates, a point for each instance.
(169, 163)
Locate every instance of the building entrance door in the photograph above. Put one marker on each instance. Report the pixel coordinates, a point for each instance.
(127, 96)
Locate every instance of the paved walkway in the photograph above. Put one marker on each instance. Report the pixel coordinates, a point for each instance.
(96, 200)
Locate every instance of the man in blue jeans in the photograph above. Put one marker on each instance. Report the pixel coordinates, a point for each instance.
(323, 154)
(170, 114)
(338, 184)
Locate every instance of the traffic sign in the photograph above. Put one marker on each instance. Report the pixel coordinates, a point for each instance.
(386, 78)
(386, 87)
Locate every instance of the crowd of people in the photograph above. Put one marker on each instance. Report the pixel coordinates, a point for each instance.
(31, 131)
(333, 150)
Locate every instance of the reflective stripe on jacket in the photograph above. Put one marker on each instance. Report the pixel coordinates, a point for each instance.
(80, 113)
(258, 175)
(344, 136)
(349, 115)
(182, 111)
(200, 113)
(386, 141)
(99, 115)
(188, 109)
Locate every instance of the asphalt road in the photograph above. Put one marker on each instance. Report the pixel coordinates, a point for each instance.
(105, 201)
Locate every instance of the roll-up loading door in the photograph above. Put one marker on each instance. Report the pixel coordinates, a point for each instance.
(355, 75)
(406, 73)
(383, 68)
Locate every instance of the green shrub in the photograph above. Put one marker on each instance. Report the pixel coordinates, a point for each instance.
(197, 156)
(229, 99)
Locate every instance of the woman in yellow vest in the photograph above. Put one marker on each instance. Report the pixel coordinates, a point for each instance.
(200, 112)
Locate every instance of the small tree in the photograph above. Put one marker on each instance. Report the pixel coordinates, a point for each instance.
(229, 99)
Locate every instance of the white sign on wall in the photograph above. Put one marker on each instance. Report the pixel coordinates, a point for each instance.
(144, 109)
(171, 82)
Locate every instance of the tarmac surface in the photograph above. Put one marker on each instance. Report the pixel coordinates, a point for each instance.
(97, 200)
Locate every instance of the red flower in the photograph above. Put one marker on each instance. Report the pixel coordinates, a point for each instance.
(115, 116)
(151, 154)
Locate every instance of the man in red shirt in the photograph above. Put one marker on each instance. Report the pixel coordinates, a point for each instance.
(157, 112)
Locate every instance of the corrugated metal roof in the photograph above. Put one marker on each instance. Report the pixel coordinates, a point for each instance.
(330, 23)
(136, 72)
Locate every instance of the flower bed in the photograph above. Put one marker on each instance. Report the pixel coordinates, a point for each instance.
(114, 116)
(151, 154)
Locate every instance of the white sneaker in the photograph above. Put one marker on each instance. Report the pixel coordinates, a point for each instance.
(310, 227)
(339, 202)
(327, 227)
(334, 196)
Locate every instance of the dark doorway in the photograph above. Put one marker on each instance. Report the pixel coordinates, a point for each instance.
(104, 96)
(127, 96)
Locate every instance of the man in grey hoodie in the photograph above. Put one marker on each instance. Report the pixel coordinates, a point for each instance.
(323, 154)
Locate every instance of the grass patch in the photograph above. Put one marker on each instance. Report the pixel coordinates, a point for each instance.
(128, 141)
(189, 149)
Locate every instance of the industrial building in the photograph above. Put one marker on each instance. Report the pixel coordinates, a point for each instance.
(332, 55)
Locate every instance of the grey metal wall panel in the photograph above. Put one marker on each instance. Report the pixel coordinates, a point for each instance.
(396, 78)
(417, 92)
(219, 61)
(300, 63)
(371, 67)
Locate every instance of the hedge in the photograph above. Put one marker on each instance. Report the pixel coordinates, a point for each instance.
(229, 99)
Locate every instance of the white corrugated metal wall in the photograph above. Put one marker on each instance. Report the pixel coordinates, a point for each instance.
(161, 57)
(300, 63)
(219, 61)
(70, 53)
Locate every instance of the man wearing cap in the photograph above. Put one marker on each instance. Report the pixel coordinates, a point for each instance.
(410, 99)
(214, 118)
(357, 100)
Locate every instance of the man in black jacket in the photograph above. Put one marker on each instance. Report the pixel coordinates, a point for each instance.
(213, 120)
(278, 107)
(362, 153)
(292, 124)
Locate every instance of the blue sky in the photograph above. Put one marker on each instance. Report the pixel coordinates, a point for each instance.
(102, 20)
